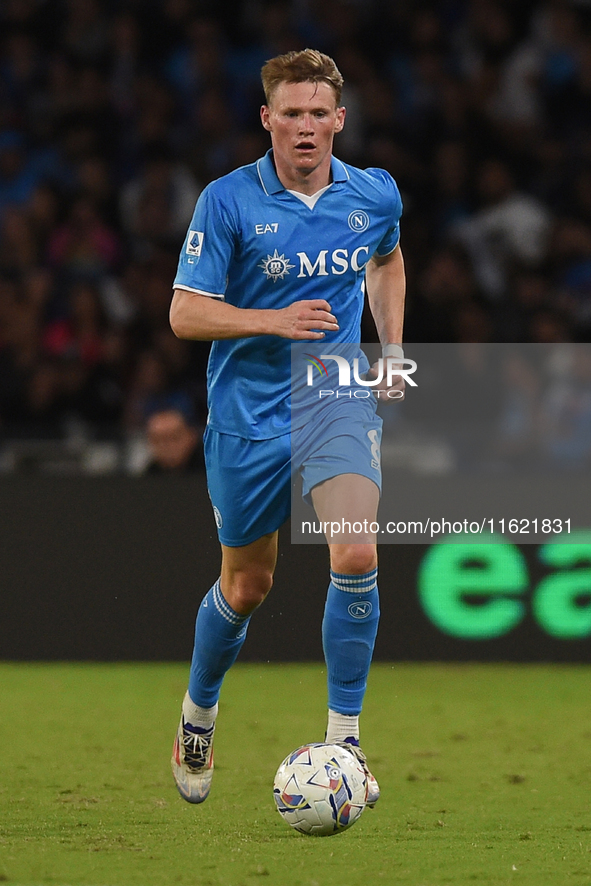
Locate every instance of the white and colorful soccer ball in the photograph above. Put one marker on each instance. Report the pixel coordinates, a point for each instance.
(320, 789)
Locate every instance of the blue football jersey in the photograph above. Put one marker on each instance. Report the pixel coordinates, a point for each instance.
(256, 245)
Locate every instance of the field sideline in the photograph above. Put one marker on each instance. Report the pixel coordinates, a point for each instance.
(485, 772)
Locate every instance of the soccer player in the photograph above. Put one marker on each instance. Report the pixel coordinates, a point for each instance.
(280, 251)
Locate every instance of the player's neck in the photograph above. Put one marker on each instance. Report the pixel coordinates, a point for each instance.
(304, 181)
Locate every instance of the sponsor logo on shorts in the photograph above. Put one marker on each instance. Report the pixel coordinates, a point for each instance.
(218, 517)
(374, 439)
(360, 610)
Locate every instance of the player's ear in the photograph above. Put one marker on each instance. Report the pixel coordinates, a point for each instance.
(265, 117)
(340, 121)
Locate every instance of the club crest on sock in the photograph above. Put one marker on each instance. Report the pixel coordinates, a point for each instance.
(361, 609)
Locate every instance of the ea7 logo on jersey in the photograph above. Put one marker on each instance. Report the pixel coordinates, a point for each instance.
(194, 243)
(271, 228)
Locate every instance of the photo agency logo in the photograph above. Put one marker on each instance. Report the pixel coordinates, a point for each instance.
(353, 379)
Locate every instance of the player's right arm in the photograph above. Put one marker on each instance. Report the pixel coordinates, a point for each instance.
(198, 309)
(198, 316)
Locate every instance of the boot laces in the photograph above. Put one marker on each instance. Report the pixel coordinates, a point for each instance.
(196, 747)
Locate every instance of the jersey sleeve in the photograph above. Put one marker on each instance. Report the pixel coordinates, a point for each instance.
(393, 205)
(208, 248)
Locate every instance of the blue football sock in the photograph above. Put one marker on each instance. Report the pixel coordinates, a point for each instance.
(219, 635)
(349, 631)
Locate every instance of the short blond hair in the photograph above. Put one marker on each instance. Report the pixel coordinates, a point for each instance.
(303, 66)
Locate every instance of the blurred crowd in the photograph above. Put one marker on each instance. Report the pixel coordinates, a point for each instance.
(114, 114)
(494, 408)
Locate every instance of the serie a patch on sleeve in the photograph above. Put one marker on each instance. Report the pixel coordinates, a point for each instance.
(194, 243)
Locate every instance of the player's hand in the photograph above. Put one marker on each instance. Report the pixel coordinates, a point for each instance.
(393, 393)
(305, 320)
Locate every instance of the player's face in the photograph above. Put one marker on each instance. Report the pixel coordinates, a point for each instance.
(303, 119)
(171, 439)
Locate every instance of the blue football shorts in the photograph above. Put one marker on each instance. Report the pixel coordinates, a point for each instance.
(250, 481)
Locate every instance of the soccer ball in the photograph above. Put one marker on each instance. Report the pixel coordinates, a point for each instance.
(320, 789)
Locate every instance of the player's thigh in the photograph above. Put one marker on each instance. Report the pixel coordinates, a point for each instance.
(341, 473)
(347, 497)
(347, 506)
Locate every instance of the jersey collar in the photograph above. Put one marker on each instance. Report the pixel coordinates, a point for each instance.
(271, 184)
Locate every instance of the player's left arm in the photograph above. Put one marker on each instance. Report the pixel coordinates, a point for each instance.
(385, 283)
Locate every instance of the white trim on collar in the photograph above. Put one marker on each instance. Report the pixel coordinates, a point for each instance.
(309, 199)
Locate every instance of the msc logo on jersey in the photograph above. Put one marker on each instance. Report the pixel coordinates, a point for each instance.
(339, 262)
(194, 243)
(358, 221)
(276, 266)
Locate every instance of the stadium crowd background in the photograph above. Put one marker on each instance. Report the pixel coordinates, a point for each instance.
(114, 114)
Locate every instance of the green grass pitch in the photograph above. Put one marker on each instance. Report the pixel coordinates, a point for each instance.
(485, 774)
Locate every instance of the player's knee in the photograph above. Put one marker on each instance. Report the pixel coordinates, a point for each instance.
(247, 590)
(353, 559)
